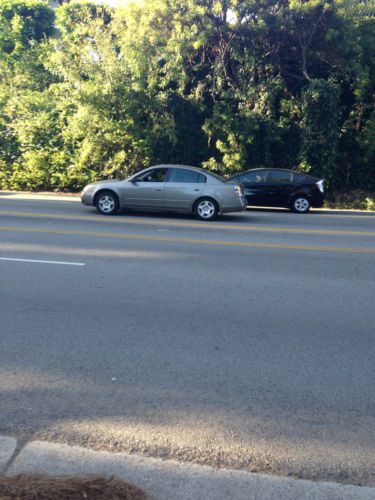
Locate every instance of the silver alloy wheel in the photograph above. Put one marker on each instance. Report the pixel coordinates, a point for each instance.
(301, 204)
(206, 209)
(106, 204)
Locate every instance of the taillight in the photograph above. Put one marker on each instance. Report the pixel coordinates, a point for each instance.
(238, 190)
(320, 186)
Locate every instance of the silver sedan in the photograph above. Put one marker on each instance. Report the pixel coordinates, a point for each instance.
(169, 188)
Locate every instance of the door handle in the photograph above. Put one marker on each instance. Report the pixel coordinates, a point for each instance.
(196, 189)
(159, 189)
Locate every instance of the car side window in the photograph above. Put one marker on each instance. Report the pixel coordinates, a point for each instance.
(298, 178)
(182, 175)
(156, 175)
(253, 177)
(280, 177)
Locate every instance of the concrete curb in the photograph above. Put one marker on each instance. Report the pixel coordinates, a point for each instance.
(20, 195)
(61, 196)
(169, 480)
(7, 448)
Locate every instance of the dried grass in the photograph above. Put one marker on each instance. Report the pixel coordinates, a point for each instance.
(34, 487)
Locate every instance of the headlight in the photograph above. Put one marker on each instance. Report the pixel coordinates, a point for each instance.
(88, 189)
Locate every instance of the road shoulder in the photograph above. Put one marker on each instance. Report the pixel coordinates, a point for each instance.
(167, 480)
(75, 197)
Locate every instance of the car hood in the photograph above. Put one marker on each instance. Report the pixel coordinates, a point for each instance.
(105, 182)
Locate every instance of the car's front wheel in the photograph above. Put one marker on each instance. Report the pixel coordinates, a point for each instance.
(107, 203)
(300, 205)
(206, 209)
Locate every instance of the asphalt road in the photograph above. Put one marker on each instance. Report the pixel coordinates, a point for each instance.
(248, 342)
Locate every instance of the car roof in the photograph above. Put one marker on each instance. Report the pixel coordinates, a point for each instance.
(269, 168)
(173, 165)
(274, 168)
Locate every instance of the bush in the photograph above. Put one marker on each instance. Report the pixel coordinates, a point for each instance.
(356, 200)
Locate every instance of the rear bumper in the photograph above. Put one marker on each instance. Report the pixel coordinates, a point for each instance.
(239, 207)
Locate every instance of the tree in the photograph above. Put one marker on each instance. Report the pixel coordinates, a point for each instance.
(220, 83)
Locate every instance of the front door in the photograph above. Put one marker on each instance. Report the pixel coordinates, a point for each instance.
(281, 184)
(146, 191)
(256, 189)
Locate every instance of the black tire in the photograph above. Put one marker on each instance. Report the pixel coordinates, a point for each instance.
(107, 202)
(300, 204)
(206, 209)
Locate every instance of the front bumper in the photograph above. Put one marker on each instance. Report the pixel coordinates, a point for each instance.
(87, 198)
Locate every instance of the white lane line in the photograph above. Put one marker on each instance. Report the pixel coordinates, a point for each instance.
(45, 261)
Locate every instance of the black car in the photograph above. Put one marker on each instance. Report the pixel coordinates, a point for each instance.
(276, 187)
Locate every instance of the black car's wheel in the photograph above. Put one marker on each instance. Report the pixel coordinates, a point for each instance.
(206, 209)
(300, 204)
(107, 203)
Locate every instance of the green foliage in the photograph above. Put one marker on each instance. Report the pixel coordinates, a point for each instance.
(23, 24)
(320, 118)
(90, 92)
(358, 199)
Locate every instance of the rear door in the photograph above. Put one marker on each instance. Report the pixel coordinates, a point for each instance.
(182, 188)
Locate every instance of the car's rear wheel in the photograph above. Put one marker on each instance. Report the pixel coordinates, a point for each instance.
(300, 205)
(107, 203)
(206, 209)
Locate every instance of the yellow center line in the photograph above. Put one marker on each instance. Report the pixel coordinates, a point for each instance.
(205, 225)
(193, 241)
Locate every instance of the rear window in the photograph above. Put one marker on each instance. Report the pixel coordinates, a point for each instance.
(218, 177)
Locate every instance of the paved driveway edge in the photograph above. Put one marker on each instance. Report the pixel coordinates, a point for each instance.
(8, 447)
